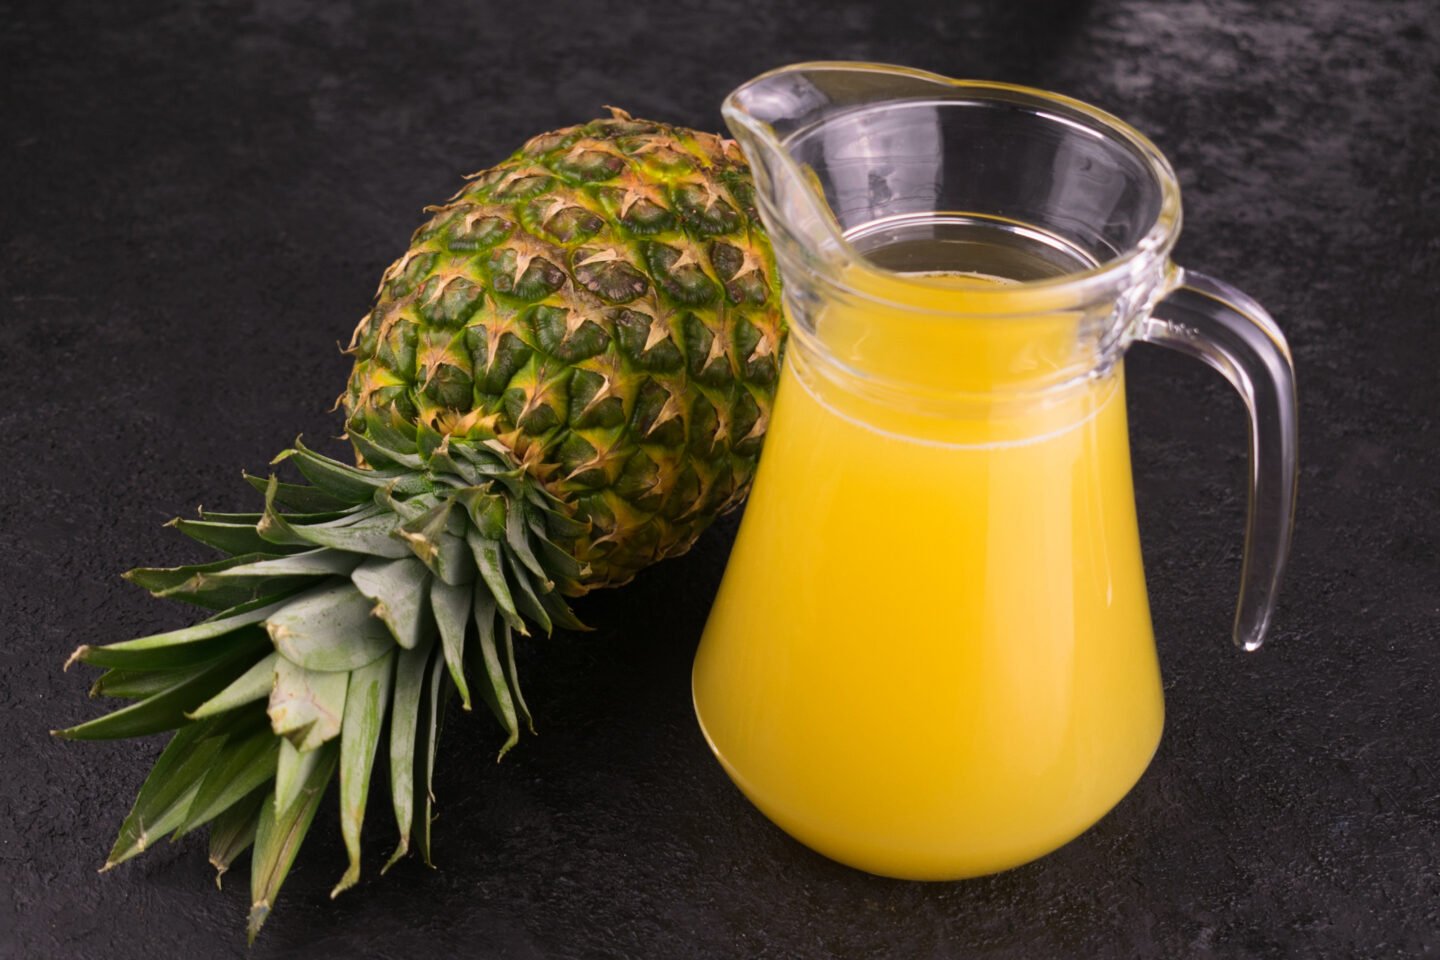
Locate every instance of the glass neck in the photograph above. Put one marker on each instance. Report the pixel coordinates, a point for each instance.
(953, 344)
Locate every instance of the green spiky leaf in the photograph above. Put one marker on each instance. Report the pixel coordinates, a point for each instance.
(254, 684)
(166, 794)
(246, 763)
(410, 674)
(307, 706)
(278, 836)
(398, 590)
(167, 709)
(233, 831)
(365, 707)
(330, 629)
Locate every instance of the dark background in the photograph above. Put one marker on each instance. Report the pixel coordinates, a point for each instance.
(196, 200)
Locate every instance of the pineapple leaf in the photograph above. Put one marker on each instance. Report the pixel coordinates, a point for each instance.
(525, 598)
(252, 518)
(514, 677)
(246, 764)
(398, 589)
(278, 836)
(495, 693)
(229, 537)
(164, 651)
(254, 684)
(390, 432)
(377, 536)
(560, 612)
(448, 557)
(410, 671)
(432, 536)
(198, 584)
(139, 684)
(291, 770)
(166, 710)
(312, 563)
(167, 792)
(303, 498)
(330, 629)
(487, 559)
(369, 531)
(451, 607)
(159, 579)
(557, 560)
(233, 831)
(351, 484)
(519, 543)
(381, 456)
(306, 706)
(365, 705)
(436, 696)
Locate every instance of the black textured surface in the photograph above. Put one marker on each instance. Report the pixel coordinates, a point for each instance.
(197, 200)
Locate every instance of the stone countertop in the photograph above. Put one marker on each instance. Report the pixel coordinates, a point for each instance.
(198, 199)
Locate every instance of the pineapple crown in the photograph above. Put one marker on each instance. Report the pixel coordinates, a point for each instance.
(343, 603)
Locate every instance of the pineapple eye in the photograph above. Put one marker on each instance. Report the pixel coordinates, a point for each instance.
(523, 188)
(538, 280)
(704, 426)
(704, 213)
(396, 349)
(727, 259)
(547, 142)
(656, 418)
(449, 302)
(573, 225)
(646, 218)
(579, 462)
(633, 329)
(639, 482)
(590, 166)
(551, 326)
(680, 276)
(744, 414)
(510, 355)
(608, 275)
(708, 364)
(413, 270)
(589, 407)
(756, 357)
(478, 233)
(450, 387)
(531, 408)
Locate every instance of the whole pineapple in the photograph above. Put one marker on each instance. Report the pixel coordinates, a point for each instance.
(605, 305)
(566, 377)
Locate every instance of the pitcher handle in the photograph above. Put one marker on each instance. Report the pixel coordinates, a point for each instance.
(1232, 333)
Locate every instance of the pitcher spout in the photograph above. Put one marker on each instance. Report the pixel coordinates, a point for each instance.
(835, 146)
(763, 115)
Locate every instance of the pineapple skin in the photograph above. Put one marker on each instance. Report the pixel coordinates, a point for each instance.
(605, 305)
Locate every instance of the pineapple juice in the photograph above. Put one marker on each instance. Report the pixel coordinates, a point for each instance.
(931, 654)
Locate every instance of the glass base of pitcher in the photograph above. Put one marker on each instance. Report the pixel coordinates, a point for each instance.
(939, 861)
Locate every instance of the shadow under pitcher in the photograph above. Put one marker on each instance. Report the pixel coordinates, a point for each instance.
(931, 654)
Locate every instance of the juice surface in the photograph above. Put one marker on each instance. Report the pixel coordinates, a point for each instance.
(931, 655)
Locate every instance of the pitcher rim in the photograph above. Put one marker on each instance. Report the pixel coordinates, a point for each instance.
(1119, 271)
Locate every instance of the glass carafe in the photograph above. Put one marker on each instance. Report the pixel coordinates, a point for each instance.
(931, 654)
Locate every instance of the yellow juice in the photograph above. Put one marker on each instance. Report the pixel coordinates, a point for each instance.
(931, 654)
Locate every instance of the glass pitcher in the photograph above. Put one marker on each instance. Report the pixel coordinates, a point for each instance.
(931, 654)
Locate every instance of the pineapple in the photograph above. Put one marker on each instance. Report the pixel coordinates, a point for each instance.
(566, 378)
(605, 305)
